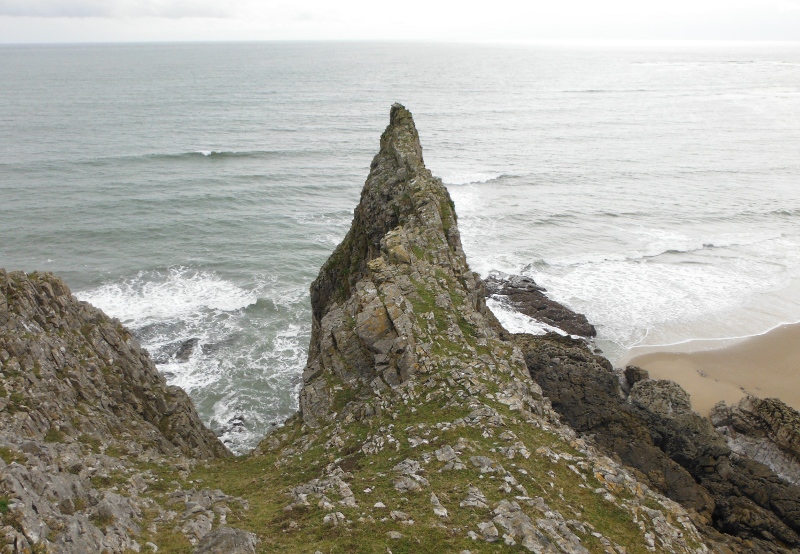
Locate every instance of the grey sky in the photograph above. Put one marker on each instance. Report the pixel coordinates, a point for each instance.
(142, 20)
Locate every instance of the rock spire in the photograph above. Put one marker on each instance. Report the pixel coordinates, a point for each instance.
(401, 260)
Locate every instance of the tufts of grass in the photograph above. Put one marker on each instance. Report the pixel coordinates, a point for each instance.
(10, 456)
(54, 435)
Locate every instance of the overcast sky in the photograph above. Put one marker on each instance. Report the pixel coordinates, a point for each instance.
(166, 20)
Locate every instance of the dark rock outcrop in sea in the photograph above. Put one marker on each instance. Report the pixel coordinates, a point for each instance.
(653, 429)
(525, 296)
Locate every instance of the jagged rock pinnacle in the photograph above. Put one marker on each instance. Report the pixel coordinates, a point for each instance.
(403, 245)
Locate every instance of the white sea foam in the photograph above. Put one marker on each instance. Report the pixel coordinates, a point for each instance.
(259, 387)
(626, 298)
(157, 296)
(516, 322)
(630, 277)
(245, 365)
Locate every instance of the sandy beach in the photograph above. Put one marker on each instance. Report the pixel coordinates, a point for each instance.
(765, 365)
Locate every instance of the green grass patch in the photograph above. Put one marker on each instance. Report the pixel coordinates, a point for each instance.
(10, 456)
(93, 443)
(54, 435)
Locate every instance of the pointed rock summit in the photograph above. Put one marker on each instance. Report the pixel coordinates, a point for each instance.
(396, 289)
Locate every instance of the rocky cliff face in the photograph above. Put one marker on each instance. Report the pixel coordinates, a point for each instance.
(84, 416)
(396, 288)
(69, 371)
(650, 426)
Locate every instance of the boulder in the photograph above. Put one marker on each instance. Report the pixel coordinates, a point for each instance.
(765, 430)
(227, 540)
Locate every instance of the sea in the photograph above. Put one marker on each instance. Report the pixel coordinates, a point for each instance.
(194, 190)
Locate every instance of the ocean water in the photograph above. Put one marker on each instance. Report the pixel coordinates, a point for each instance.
(194, 190)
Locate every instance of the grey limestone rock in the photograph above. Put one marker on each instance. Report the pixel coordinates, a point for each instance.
(401, 261)
(76, 387)
(227, 540)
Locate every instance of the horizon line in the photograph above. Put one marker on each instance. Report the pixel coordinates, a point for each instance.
(532, 42)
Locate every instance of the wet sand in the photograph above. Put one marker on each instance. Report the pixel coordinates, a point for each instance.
(766, 366)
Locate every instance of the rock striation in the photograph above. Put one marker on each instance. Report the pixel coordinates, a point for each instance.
(650, 426)
(84, 415)
(765, 430)
(400, 261)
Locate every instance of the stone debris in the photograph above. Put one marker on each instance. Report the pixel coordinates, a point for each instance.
(335, 519)
(519, 526)
(333, 483)
(438, 509)
(409, 479)
(486, 465)
(227, 540)
(488, 531)
(474, 499)
(448, 455)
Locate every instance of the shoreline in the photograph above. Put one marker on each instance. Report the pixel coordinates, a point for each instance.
(766, 365)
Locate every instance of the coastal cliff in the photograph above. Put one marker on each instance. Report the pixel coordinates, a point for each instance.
(424, 426)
